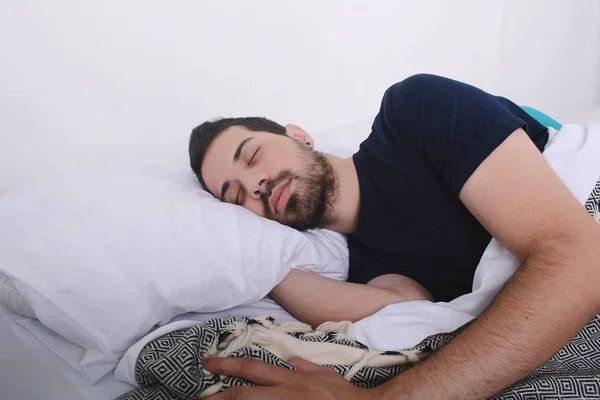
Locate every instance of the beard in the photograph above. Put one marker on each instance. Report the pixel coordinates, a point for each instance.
(311, 205)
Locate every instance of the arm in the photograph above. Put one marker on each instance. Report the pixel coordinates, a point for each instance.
(521, 202)
(315, 299)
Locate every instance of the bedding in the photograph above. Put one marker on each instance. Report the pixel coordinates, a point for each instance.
(170, 367)
(104, 254)
(410, 322)
(416, 327)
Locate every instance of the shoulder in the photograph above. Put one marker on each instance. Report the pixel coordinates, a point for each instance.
(424, 108)
(436, 92)
(407, 109)
(418, 83)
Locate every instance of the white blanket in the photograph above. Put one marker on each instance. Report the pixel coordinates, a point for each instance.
(574, 153)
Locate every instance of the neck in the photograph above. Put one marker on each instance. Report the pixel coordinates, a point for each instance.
(346, 206)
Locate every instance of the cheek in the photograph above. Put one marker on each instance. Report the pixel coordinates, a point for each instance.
(285, 158)
(256, 206)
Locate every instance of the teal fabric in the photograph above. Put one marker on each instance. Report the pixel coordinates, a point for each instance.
(542, 118)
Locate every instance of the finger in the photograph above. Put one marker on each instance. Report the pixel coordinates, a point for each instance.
(243, 393)
(259, 372)
(306, 366)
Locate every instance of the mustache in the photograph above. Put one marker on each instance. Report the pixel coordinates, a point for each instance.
(272, 184)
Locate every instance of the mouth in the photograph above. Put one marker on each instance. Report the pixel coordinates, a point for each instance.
(280, 196)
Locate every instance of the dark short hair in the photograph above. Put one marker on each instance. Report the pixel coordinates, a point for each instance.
(203, 135)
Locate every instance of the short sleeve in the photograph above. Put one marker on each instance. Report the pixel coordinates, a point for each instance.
(452, 126)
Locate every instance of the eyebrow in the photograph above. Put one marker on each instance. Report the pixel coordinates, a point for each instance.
(238, 152)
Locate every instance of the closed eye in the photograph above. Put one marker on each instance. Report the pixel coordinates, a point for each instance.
(252, 158)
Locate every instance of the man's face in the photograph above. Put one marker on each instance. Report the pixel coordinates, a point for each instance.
(274, 176)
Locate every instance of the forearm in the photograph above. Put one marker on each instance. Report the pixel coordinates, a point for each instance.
(549, 300)
(315, 299)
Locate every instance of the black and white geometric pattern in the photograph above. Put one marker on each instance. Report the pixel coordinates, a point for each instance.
(593, 204)
(170, 367)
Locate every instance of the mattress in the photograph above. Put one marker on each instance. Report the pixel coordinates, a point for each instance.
(30, 370)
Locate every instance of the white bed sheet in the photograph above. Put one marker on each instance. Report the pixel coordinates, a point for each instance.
(29, 370)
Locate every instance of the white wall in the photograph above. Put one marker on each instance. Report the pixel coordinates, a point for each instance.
(129, 79)
(550, 57)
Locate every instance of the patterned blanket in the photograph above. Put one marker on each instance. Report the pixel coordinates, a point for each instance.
(170, 367)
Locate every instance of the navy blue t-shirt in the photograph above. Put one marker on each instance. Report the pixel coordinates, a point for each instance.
(430, 135)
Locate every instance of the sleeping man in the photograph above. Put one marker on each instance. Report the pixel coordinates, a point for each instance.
(446, 167)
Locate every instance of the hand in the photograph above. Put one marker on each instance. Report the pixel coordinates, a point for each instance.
(309, 381)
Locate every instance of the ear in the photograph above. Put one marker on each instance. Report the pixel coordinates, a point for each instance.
(295, 132)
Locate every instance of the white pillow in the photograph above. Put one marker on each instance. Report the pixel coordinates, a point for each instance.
(103, 255)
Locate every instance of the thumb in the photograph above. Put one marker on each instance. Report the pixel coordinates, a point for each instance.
(306, 366)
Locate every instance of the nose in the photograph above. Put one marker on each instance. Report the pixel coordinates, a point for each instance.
(256, 184)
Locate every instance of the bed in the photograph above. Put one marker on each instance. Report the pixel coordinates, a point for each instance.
(39, 364)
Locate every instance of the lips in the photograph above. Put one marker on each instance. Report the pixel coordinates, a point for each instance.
(279, 196)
